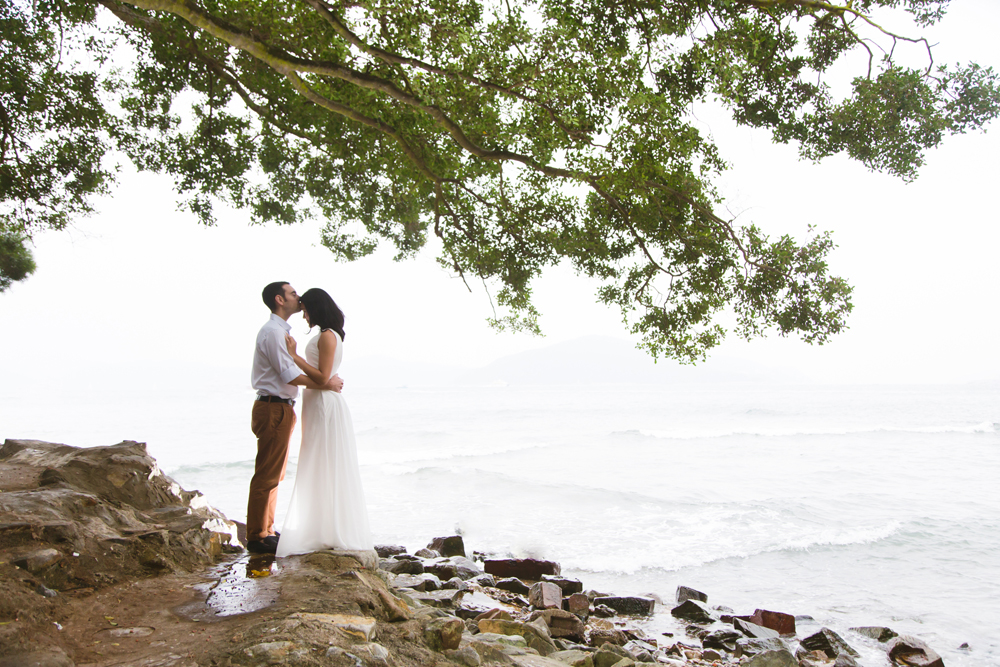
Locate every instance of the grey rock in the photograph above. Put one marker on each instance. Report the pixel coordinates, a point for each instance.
(465, 567)
(684, 593)
(387, 550)
(750, 647)
(466, 655)
(444, 633)
(39, 560)
(561, 623)
(611, 654)
(417, 582)
(442, 570)
(694, 611)
(573, 658)
(456, 583)
(753, 630)
(829, 642)
(723, 639)
(401, 566)
(522, 568)
(911, 651)
(426, 553)
(448, 546)
(514, 585)
(876, 632)
(45, 591)
(779, 658)
(633, 606)
(567, 585)
(440, 599)
(604, 611)
(489, 651)
(844, 660)
(485, 580)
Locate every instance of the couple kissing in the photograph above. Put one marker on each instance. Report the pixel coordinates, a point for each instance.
(327, 508)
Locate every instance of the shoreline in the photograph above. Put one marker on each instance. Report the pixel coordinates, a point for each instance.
(98, 545)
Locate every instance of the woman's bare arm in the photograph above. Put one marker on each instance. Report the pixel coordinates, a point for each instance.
(327, 347)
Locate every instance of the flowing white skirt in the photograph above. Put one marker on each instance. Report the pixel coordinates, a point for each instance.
(327, 509)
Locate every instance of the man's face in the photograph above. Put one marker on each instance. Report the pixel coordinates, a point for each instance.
(291, 299)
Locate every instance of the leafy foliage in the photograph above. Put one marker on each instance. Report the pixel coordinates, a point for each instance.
(521, 134)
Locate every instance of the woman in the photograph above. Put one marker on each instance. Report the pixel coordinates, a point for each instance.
(328, 503)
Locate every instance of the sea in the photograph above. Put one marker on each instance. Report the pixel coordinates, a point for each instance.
(851, 505)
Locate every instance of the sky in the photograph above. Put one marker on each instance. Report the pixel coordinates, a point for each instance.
(140, 291)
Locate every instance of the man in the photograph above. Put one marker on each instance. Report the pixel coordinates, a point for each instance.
(276, 379)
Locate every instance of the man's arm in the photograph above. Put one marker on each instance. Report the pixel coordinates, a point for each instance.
(333, 384)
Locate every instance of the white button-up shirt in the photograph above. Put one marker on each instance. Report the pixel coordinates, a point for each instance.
(273, 367)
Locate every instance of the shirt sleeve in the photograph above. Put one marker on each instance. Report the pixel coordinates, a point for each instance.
(277, 355)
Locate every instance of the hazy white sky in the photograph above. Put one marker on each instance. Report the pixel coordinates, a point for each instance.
(140, 286)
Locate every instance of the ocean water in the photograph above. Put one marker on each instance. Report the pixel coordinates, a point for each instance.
(853, 505)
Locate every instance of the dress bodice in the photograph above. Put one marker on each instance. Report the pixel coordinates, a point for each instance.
(312, 352)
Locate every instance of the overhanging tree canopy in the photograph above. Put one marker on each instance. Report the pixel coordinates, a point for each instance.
(521, 133)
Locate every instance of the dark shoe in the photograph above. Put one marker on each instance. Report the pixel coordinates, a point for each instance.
(262, 546)
(271, 540)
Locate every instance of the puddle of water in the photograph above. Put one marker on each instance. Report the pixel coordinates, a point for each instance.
(241, 586)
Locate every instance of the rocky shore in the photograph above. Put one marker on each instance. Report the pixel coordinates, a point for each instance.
(104, 560)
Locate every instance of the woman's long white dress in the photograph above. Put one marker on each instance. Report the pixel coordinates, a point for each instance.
(327, 509)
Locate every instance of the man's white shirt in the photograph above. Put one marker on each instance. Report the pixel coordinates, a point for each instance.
(273, 367)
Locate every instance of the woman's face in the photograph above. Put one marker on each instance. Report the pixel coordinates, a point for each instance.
(305, 314)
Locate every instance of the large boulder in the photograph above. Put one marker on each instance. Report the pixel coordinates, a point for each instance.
(779, 658)
(752, 629)
(723, 639)
(535, 633)
(577, 603)
(632, 606)
(513, 585)
(751, 647)
(561, 624)
(448, 546)
(827, 641)
(694, 611)
(444, 633)
(387, 550)
(685, 593)
(404, 566)
(604, 632)
(522, 568)
(567, 585)
(442, 570)
(545, 595)
(783, 624)
(910, 651)
(89, 517)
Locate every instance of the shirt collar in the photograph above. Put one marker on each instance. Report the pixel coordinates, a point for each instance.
(284, 325)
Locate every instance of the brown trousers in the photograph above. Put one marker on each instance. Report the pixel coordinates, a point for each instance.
(272, 423)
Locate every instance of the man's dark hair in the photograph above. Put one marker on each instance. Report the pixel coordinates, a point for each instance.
(271, 291)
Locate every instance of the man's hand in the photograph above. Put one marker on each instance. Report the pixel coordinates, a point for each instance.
(334, 384)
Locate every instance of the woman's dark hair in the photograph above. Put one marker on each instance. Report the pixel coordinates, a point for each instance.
(323, 312)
